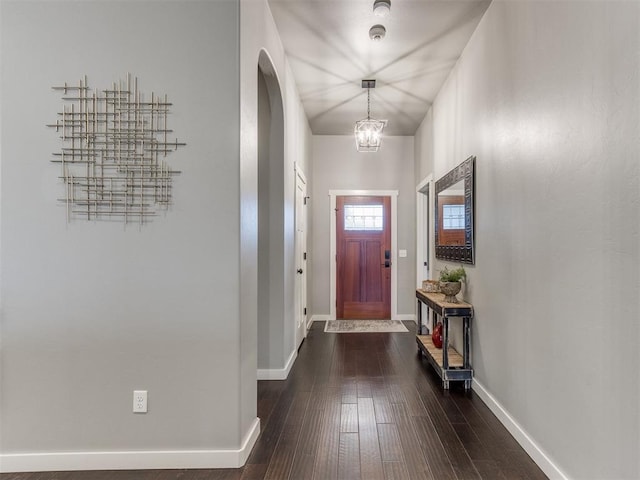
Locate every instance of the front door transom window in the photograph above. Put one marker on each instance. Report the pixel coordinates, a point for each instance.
(363, 217)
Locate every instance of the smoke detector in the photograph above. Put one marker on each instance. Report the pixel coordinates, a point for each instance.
(381, 8)
(377, 32)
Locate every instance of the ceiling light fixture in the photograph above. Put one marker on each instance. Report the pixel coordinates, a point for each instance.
(381, 8)
(368, 132)
(377, 32)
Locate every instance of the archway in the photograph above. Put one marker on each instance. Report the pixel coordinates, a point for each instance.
(271, 228)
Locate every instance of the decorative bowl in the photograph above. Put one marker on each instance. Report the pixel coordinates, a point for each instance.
(450, 290)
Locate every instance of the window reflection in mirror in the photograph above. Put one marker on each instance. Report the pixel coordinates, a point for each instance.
(454, 212)
(451, 211)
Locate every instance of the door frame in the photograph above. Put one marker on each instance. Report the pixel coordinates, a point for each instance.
(332, 245)
(424, 211)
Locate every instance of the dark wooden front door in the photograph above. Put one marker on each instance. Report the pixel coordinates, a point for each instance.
(363, 247)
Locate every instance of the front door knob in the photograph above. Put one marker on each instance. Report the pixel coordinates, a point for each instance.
(299, 270)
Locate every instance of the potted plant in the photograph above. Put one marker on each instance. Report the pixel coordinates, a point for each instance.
(451, 283)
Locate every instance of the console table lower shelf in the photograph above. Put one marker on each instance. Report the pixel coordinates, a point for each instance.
(447, 362)
(455, 370)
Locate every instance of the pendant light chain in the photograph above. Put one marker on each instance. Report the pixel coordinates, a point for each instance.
(368, 103)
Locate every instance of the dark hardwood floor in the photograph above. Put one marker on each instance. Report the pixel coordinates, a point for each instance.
(360, 406)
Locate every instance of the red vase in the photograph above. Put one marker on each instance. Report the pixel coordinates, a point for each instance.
(436, 336)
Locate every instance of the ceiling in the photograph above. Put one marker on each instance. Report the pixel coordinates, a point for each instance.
(328, 46)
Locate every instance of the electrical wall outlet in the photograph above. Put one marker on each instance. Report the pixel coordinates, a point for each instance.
(139, 401)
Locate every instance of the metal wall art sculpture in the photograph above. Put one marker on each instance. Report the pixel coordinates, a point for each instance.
(114, 145)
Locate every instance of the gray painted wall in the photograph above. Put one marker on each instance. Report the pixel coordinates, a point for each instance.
(423, 146)
(547, 96)
(264, 292)
(338, 166)
(92, 311)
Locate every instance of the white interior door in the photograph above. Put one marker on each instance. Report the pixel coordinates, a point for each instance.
(301, 257)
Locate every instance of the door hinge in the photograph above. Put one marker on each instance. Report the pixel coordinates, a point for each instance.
(305, 311)
(304, 256)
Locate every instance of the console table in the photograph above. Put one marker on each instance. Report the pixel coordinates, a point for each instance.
(450, 364)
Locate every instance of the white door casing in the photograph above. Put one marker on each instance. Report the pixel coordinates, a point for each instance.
(425, 251)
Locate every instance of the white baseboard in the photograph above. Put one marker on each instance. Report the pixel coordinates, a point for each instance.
(310, 321)
(522, 437)
(278, 373)
(406, 316)
(320, 318)
(131, 460)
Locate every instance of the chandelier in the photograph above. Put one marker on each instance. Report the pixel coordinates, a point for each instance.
(368, 132)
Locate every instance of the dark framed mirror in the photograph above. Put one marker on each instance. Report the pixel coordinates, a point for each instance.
(454, 211)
